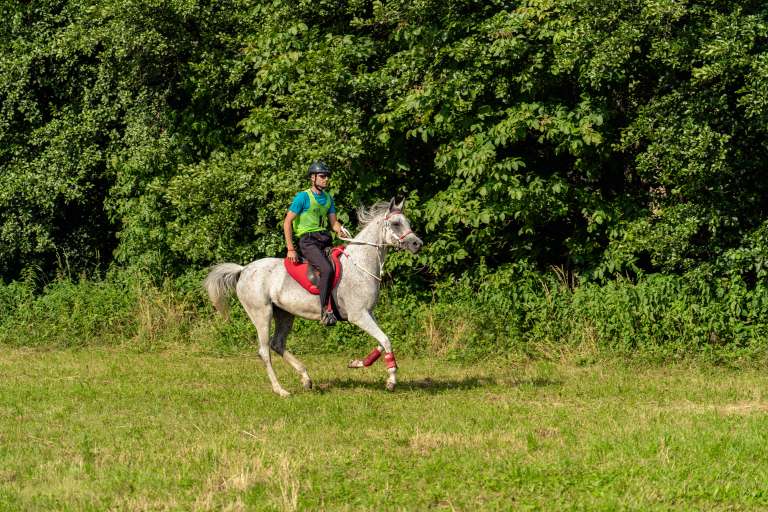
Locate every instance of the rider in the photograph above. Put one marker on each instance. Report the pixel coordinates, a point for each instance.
(307, 218)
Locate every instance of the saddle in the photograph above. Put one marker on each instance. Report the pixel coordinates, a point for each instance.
(308, 276)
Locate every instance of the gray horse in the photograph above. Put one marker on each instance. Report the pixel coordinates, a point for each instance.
(267, 292)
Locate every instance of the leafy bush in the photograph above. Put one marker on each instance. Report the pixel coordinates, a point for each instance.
(513, 309)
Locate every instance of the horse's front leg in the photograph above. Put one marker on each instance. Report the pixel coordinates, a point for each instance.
(369, 325)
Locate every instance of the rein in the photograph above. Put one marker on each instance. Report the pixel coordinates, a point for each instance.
(381, 264)
(378, 256)
(362, 242)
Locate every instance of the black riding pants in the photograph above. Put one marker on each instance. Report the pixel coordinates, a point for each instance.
(313, 247)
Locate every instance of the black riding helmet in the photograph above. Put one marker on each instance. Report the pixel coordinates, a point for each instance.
(318, 167)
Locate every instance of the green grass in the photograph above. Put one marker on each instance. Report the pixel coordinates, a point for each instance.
(103, 428)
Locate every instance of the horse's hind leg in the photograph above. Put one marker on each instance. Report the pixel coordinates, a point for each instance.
(283, 324)
(261, 316)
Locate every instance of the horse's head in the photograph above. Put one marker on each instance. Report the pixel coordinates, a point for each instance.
(397, 229)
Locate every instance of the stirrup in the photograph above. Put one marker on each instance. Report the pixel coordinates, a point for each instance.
(327, 318)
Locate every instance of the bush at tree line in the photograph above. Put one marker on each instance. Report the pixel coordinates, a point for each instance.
(513, 309)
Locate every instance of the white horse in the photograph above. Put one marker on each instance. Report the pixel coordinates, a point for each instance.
(267, 292)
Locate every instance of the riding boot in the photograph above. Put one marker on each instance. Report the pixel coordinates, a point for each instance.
(327, 318)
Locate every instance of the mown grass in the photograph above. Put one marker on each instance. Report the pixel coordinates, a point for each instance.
(110, 428)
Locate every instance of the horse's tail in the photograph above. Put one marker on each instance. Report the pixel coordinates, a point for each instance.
(220, 283)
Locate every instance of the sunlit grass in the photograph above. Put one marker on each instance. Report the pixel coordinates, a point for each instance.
(97, 429)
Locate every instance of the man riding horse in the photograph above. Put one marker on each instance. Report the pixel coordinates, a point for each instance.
(269, 293)
(307, 217)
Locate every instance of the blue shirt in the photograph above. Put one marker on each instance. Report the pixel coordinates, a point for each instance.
(300, 202)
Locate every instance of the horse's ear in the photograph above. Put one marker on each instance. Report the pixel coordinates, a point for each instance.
(401, 205)
(391, 204)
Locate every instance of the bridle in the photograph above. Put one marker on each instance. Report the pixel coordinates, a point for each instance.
(388, 226)
(398, 245)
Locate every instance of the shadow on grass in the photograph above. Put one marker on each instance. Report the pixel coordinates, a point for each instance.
(434, 386)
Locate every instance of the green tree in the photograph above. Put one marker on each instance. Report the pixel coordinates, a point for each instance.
(607, 137)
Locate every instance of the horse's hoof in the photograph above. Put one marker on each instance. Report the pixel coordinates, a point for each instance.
(390, 386)
(307, 383)
(283, 393)
(355, 363)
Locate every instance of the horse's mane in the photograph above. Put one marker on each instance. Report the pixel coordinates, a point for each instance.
(367, 215)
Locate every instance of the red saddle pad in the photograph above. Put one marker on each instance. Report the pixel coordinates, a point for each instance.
(298, 271)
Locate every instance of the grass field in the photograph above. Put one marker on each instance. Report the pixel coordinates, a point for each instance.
(102, 429)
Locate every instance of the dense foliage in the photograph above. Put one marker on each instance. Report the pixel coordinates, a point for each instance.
(618, 137)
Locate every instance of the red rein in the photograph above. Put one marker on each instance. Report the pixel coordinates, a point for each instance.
(389, 358)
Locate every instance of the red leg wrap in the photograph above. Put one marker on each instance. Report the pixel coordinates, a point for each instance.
(372, 357)
(390, 360)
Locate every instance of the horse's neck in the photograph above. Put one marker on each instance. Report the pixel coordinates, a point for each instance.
(371, 257)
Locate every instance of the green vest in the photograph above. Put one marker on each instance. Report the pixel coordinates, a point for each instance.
(313, 219)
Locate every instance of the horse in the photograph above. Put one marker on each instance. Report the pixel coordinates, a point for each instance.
(267, 292)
